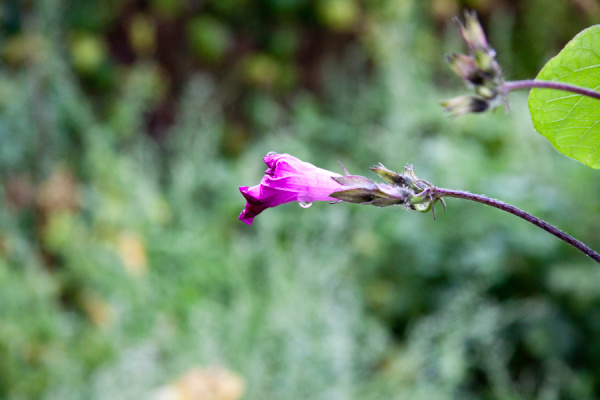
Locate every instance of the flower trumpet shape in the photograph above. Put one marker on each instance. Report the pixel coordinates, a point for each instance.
(288, 179)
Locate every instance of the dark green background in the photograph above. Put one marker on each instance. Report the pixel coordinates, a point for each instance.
(126, 128)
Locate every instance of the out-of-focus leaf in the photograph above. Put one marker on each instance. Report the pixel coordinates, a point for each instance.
(571, 122)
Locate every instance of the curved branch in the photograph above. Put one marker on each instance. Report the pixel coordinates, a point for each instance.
(436, 192)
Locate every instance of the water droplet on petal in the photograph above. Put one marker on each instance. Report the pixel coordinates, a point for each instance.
(305, 204)
(271, 153)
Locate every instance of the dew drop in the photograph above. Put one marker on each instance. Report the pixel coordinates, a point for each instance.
(305, 204)
(271, 153)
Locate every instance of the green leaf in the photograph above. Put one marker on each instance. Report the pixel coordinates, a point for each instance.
(571, 122)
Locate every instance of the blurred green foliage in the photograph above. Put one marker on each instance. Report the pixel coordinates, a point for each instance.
(126, 127)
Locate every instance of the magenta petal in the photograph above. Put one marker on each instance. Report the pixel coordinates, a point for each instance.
(253, 206)
(287, 179)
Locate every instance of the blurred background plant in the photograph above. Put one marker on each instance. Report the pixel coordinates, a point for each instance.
(126, 128)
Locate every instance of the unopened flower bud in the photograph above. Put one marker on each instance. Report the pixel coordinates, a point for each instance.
(472, 32)
(485, 62)
(359, 196)
(479, 70)
(355, 181)
(486, 92)
(381, 196)
(389, 176)
(466, 67)
(462, 105)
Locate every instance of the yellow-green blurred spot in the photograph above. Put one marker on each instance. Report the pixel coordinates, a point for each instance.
(209, 38)
(98, 310)
(21, 48)
(132, 252)
(340, 15)
(87, 53)
(59, 230)
(260, 70)
(142, 35)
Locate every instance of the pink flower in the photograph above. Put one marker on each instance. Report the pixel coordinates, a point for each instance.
(288, 179)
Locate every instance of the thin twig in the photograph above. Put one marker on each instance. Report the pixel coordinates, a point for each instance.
(440, 192)
(531, 83)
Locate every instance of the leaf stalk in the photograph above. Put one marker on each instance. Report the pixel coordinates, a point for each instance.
(539, 84)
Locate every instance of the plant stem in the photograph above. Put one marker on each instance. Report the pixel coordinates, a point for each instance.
(531, 83)
(440, 192)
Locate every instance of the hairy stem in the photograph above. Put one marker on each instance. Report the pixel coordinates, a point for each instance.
(531, 83)
(436, 192)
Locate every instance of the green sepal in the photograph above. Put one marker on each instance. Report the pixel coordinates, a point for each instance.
(358, 195)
